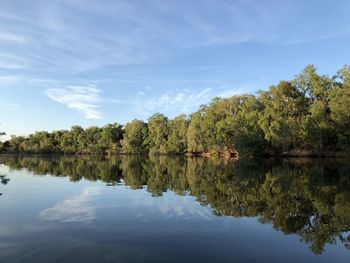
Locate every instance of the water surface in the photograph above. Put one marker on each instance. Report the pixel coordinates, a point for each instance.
(173, 209)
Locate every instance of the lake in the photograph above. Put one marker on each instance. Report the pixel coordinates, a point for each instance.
(173, 209)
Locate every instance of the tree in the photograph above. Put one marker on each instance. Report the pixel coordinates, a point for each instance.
(318, 124)
(282, 119)
(88, 140)
(66, 142)
(177, 135)
(339, 104)
(158, 129)
(75, 131)
(307, 115)
(214, 137)
(134, 141)
(194, 134)
(241, 126)
(111, 136)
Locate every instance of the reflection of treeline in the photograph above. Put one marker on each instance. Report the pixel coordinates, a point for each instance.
(309, 115)
(73, 167)
(308, 198)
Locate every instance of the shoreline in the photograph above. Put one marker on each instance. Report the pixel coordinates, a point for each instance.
(304, 154)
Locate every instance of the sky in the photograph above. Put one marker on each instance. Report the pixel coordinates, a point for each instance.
(85, 62)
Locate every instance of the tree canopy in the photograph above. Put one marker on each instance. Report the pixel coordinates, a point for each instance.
(308, 115)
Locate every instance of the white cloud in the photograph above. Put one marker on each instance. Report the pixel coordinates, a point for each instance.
(171, 205)
(223, 22)
(125, 33)
(177, 101)
(77, 209)
(181, 101)
(230, 93)
(86, 99)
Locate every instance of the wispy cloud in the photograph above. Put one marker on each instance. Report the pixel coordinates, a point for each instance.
(230, 92)
(128, 33)
(171, 206)
(76, 209)
(172, 100)
(86, 99)
(177, 101)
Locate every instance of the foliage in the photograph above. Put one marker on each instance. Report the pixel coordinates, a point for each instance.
(339, 104)
(158, 129)
(282, 117)
(177, 142)
(135, 134)
(194, 134)
(309, 115)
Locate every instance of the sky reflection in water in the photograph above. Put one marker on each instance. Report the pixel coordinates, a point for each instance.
(171, 209)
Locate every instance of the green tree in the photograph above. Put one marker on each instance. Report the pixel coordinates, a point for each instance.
(310, 114)
(111, 136)
(215, 137)
(75, 131)
(194, 134)
(177, 134)
(134, 141)
(339, 104)
(282, 120)
(241, 126)
(67, 143)
(318, 125)
(88, 140)
(158, 129)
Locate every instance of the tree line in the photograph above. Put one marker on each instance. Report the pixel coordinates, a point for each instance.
(298, 196)
(308, 115)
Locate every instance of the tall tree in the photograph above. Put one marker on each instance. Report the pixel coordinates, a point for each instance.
(241, 126)
(134, 141)
(194, 134)
(177, 135)
(311, 112)
(212, 126)
(282, 119)
(111, 136)
(339, 104)
(158, 129)
(318, 126)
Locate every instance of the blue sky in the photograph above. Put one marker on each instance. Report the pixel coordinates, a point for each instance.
(87, 62)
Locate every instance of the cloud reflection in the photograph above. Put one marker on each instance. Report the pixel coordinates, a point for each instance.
(77, 209)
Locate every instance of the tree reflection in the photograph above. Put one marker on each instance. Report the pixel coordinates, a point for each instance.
(4, 180)
(306, 197)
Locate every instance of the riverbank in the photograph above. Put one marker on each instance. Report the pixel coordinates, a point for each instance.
(292, 153)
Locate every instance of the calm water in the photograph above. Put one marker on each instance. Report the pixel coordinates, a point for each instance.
(162, 209)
